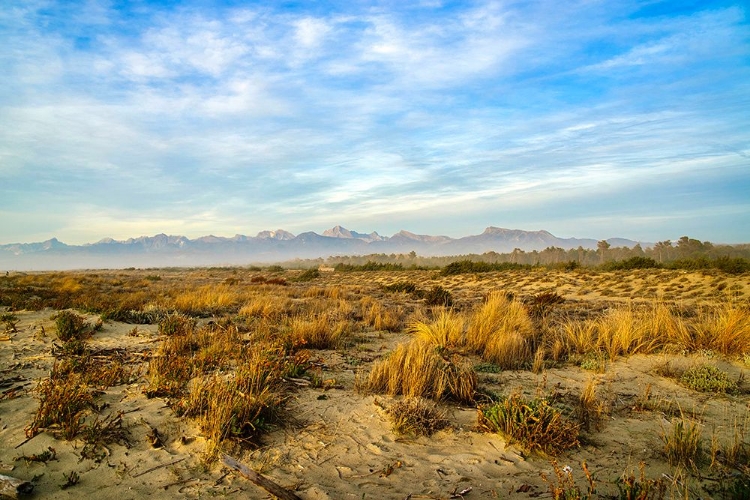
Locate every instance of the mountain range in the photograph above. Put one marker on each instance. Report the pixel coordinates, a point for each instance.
(271, 246)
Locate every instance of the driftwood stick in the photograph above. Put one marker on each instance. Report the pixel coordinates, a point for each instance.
(10, 487)
(157, 467)
(261, 481)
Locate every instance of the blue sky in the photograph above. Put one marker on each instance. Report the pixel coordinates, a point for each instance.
(586, 118)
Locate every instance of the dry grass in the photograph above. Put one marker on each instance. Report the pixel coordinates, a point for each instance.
(622, 331)
(591, 409)
(417, 417)
(229, 377)
(417, 369)
(322, 331)
(266, 306)
(62, 403)
(576, 337)
(380, 317)
(445, 331)
(682, 442)
(209, 299)
(501, 332)
(724, 329)
(237, 406)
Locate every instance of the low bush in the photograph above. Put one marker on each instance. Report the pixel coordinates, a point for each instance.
(416, 417)
(176, 324)
(707, 378)
(62, 402)
(534, 424)
(470, 266)
(308, 275)
(71, 326)
(438, 296)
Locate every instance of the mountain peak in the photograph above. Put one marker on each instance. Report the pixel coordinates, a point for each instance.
(342, 232)
(338, 232)
(279, 234)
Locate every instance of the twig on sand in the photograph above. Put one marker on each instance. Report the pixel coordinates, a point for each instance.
(259, 480)
(157, 467)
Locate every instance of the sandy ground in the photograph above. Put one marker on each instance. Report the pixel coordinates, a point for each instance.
(339, 444)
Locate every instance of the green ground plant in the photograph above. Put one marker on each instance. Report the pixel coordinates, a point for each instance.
(71, 326)
(534, 424)
(708, 378)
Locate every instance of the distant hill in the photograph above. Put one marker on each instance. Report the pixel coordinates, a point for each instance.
(162, 250)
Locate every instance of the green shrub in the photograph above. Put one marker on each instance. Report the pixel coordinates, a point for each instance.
(470, 266)
(70, 326)
(438, 296)
(403, 287)
(631, 263)
(309, 274)
(534, 424)
(707, 378)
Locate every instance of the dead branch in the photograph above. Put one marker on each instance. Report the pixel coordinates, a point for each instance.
(259, 480)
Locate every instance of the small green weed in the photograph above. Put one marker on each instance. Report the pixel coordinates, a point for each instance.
(707, 378)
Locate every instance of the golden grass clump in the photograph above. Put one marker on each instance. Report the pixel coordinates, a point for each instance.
(445, 331)
(382, 317)
(321, 331)
(208, 299)
(622, 331)
(237, 406)
(591, 410)
(501, 332)
(724, 329)
(576, 337)
(266, 306)
(417, 369)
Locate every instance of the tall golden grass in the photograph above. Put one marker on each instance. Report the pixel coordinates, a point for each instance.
(501, 332)
(417, 369)
(446, 330)
(624, 331)
(321, 331)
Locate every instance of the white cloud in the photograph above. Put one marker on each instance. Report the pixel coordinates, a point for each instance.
(310, 32)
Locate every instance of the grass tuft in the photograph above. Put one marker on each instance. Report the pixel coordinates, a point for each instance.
(535, 424)
(416, 417)
(500, 331)
(418, 369)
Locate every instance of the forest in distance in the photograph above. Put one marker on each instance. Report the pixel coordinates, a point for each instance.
(686, 253)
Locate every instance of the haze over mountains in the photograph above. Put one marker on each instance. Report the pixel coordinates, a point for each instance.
(272, 246)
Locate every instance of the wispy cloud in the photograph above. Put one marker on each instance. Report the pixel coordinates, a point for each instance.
(145, 118)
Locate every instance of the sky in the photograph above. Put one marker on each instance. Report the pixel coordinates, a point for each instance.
(586, 118)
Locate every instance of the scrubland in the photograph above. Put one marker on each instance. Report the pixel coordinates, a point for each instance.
(381, 384)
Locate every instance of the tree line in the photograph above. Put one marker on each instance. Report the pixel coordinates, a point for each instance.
(685, 253)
